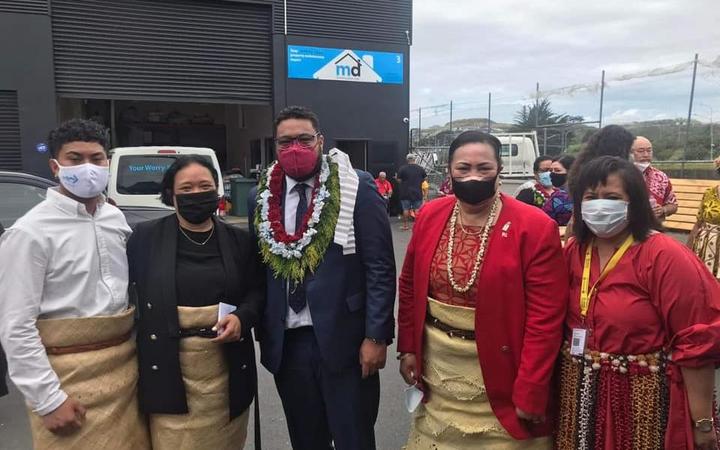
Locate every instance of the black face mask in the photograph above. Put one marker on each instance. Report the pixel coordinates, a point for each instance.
(473, 191)
(558, 179)
(718, 171)
(198, 207)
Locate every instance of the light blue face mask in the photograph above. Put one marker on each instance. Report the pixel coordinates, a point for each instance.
(545, 179)
(605, 218)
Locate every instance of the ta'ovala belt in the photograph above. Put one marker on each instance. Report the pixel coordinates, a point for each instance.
(449, 330)
(88, 347)
(199, 332)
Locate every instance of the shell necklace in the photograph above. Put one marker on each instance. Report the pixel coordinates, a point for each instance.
(480, 256)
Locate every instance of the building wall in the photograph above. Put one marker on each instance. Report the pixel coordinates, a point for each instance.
(26, 66)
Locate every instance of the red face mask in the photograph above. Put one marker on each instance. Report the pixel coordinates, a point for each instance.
(299, 162)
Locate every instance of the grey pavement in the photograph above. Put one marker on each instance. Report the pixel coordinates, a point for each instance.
(393, 420)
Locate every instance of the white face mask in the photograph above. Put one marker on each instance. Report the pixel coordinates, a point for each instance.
(413, 397)
(605, 218)
(85, 180)
(642, 166)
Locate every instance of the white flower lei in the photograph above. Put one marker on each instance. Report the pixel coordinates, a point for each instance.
(293, 249)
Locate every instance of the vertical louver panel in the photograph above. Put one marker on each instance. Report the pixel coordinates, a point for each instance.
(214, 51)
(382, 21)
(10, 154)
(24, 6)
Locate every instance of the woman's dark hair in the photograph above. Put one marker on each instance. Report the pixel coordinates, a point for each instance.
(77, 130)
(566, 161)
(476, 137)
(641, 218)
(298, 112)
(612, 140)
(168, 182)
(539, 160)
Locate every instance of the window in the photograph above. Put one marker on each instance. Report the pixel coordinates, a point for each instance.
(17, 199)
(142, 175)
(505, 150)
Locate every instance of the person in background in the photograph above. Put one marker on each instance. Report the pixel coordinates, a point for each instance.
(66, 323)
(384, 187)
(197, 370)
(704, 238)
(425, 187)
(445, 187)
(662, 198)
(329, 315)
(410, 177)
(560, 205)
(643, 324)
(482, 301)
(611, 140)
(537, 192)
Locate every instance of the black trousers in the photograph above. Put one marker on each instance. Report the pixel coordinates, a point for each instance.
(322, 406)
(3, 374)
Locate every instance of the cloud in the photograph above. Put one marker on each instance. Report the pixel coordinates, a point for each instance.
(463, 49)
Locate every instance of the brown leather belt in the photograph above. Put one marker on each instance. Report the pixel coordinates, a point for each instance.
(208, 333)
(88, 347)
(449, 330)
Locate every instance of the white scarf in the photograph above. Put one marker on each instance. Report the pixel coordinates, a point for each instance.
(349, 182)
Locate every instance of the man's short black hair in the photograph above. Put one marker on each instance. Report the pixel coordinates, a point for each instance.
(167, 186)
(77, 130)
(298, 112)
(539, 160)
(641, 218)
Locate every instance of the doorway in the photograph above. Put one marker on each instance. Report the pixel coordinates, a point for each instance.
(356, 150)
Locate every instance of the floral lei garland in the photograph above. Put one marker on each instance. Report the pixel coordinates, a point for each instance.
(292, 256)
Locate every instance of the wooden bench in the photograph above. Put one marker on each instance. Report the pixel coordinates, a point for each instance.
(689, 194)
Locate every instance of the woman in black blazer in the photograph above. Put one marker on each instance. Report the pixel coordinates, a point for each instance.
(197, 374)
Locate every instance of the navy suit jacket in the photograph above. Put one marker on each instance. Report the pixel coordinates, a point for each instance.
(350, 297)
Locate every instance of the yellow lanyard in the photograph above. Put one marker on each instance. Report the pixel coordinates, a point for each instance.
(585, 292)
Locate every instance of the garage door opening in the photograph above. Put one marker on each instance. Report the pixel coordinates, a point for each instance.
(232, 130)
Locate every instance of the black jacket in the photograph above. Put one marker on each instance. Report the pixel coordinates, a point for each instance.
(152, 250)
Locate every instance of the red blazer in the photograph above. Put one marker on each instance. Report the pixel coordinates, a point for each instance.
(520, 309)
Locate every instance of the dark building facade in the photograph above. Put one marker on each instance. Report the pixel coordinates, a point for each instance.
(208, 73)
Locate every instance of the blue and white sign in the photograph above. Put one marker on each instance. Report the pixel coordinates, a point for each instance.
(317, 63)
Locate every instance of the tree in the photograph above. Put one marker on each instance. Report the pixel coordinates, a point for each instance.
(532, 116)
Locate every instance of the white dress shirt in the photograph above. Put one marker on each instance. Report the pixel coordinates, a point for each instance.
(57, 261)
(302, 318)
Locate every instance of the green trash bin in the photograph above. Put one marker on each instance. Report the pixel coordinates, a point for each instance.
(238, 195)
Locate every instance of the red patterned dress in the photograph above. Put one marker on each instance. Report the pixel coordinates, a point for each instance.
(465, 250)
(659, 187)
(657, 311)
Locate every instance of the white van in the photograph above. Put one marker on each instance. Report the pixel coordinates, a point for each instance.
(136, 173)
(518, 152)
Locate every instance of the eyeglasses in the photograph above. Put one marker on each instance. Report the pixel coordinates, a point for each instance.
(303, 139)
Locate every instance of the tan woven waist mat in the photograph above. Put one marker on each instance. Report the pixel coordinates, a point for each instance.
(205, 375)
(85, 330)
(104, 381)
(460, 317)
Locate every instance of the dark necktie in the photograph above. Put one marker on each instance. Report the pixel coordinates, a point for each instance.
(296, 298)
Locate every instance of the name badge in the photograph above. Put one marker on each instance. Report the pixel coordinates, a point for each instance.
(579, 341)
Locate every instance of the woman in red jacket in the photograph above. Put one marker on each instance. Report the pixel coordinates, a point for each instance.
(644, 324)
(483, 293)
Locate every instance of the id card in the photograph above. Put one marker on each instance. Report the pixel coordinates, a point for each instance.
(579, 340)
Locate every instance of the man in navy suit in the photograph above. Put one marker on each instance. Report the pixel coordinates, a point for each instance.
(325, 338)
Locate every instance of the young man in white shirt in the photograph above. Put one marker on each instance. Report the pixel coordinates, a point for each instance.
(61, 265)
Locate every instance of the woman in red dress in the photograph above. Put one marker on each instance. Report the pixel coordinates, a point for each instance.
(483, 293)
(643, 325)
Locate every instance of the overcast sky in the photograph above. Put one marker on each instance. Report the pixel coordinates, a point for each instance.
(463, 49)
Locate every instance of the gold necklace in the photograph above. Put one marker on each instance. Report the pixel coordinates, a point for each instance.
(462, 228)
(212, 230)
(480, 256)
